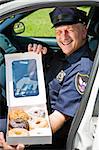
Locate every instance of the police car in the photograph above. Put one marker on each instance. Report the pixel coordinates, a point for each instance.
(84, 130)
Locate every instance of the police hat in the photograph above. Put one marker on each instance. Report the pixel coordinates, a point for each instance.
(67, 16)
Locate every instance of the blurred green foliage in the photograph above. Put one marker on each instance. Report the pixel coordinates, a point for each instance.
(38, 24)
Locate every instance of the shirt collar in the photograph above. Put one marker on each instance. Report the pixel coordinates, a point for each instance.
(77, 54)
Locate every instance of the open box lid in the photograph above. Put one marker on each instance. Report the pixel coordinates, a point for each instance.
(24, 79)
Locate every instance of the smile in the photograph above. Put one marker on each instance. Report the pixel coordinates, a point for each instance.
(67, 42)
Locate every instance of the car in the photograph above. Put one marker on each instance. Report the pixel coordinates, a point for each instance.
(14, 15)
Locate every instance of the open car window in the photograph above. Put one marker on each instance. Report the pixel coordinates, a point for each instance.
(38, 23)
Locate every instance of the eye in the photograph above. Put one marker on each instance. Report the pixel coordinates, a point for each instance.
(58, 33)
(70, 30)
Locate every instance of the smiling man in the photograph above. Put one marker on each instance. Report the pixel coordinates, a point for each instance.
(68, 73)
(70, 27)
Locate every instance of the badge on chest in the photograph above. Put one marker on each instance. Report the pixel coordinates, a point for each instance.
(60, 76)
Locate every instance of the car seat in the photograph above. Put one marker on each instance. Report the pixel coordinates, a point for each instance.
(5, 48)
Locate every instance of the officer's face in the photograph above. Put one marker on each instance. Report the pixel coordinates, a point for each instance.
(71, 37)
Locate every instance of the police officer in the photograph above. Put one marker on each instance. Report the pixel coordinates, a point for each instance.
(69, 71)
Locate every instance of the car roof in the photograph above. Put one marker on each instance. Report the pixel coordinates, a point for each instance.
(17, 6)
(5, 1)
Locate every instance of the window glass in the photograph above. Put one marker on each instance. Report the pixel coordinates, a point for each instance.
(38, 24)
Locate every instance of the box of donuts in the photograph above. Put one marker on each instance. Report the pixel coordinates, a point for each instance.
(28, 120)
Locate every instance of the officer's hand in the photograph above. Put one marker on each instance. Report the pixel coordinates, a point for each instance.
(37, 48)
(5, 146)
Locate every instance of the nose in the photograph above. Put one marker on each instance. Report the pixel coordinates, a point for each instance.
(64, 34)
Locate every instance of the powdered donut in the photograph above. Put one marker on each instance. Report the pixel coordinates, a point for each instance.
(39, 113)
(36, 112)
(18, 132)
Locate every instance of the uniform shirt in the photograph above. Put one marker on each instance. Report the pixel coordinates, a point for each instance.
(68, 85)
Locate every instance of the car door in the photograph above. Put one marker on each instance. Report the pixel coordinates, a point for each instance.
(84, 132)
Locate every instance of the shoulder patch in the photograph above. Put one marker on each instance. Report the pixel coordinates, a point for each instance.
(81, 82)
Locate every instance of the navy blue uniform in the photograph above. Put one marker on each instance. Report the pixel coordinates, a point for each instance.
(64, 92)
(62, 81)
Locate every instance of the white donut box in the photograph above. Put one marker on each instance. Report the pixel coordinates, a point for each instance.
(26, 95)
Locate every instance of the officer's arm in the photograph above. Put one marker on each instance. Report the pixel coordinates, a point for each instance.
(57, 120)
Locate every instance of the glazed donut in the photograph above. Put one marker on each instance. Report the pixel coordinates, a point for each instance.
(18, 132)
(41, 122)
(18, 113)
(18, 123)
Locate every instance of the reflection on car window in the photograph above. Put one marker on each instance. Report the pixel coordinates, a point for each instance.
(2, 20)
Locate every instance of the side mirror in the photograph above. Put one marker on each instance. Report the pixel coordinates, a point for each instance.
(19, 27)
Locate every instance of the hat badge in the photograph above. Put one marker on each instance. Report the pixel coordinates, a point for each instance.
(60, 76)
(80, 19)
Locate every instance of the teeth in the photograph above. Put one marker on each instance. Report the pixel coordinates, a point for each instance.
(67, 43)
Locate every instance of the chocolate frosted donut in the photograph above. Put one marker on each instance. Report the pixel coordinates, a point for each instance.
(18, 123)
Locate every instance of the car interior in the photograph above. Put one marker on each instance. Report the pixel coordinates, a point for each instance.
(17, 43)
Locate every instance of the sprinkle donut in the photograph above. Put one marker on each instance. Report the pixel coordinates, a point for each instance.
(18, 113)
